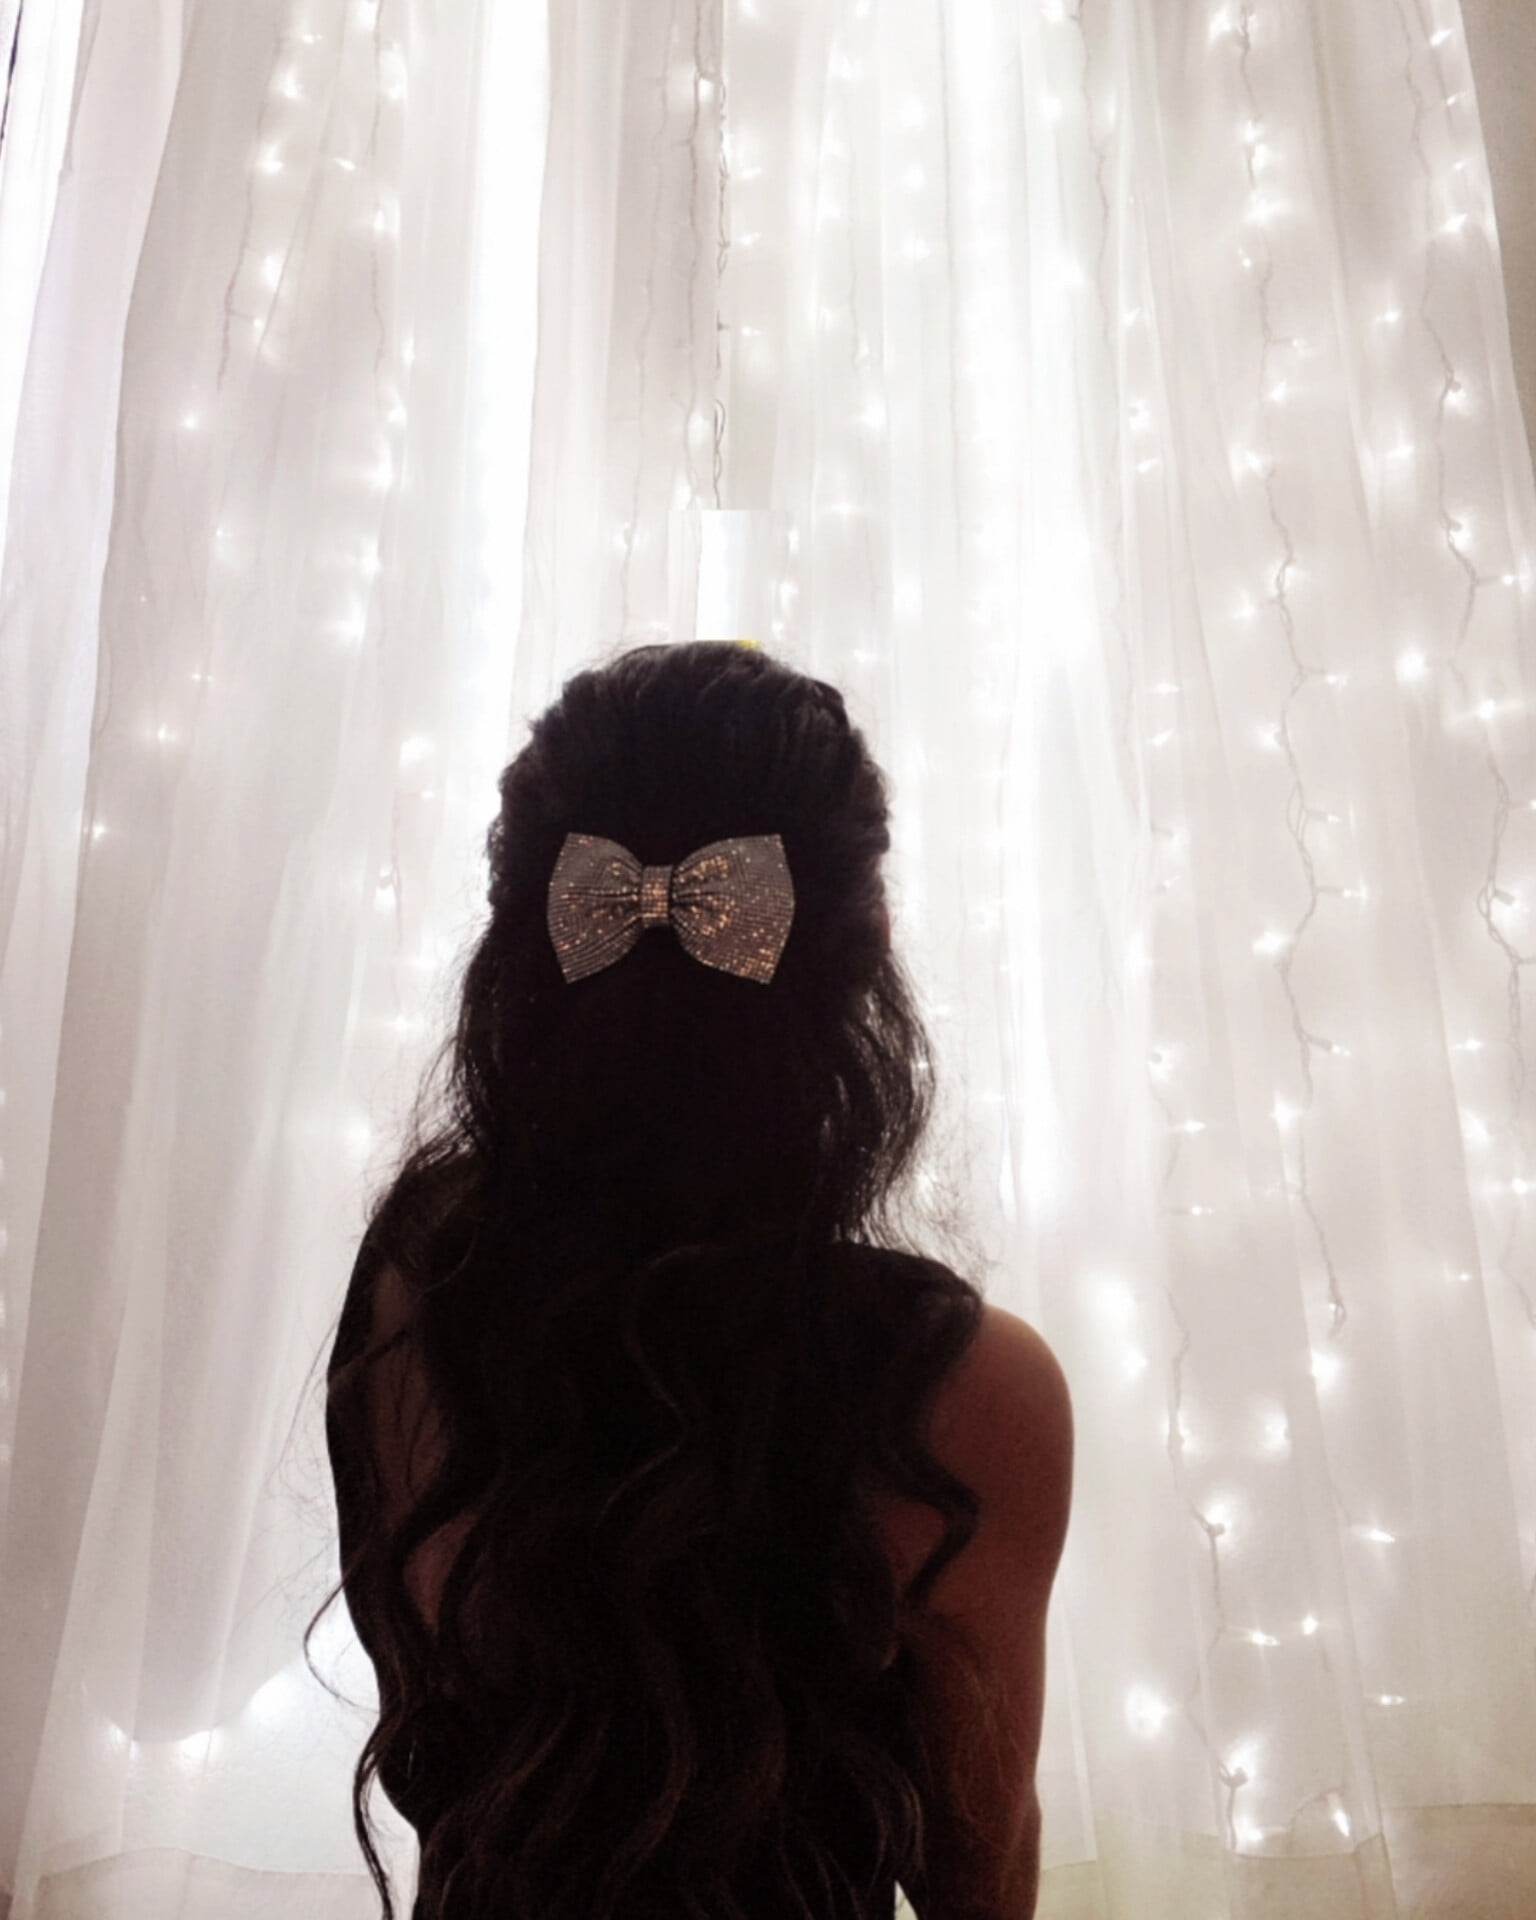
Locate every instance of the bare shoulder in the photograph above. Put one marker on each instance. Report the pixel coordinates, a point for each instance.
(1004, 1427)
(1002, 1424)
(1010, 1389)
(1007, 1429)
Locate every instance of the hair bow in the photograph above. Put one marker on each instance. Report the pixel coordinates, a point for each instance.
(730, 904)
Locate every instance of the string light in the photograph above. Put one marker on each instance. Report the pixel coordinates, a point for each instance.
(1145, 1711)
(1412, 666)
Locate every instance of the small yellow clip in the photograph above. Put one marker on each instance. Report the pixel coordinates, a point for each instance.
(749, 643)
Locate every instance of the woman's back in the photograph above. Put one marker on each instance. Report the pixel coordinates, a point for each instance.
(1000, 1423)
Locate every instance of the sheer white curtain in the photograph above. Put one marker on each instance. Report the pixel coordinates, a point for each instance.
(1116, 400)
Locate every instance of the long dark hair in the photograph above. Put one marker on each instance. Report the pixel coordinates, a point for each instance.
(680, 1344)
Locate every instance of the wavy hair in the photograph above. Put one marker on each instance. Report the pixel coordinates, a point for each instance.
(680, 1342)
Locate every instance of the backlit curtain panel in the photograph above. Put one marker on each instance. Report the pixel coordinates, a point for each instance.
(1115, 398)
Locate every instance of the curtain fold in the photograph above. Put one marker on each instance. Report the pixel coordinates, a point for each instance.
(1115, 398)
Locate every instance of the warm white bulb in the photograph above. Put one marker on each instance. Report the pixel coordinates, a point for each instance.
(269, 162)
(1145, 1710)
(1310, 1624)
(1326, 1368)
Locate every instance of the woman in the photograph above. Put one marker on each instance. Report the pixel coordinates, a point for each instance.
(700, 1535)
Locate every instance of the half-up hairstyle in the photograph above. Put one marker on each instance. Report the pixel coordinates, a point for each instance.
(679, 1347)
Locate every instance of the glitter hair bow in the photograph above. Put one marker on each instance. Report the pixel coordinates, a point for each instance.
(730, 904)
